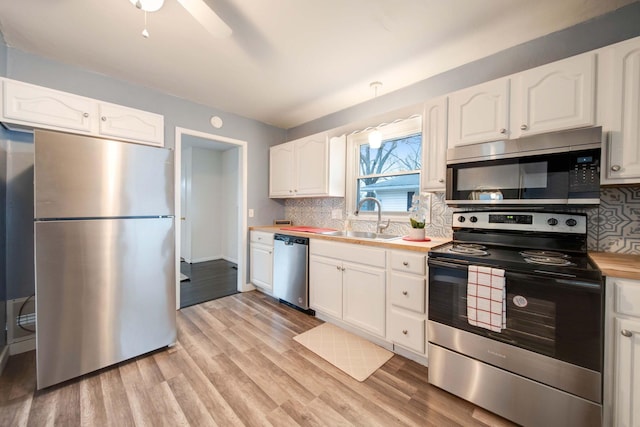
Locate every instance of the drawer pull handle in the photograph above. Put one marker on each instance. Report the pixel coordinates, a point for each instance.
(85, 115)
(626, 333)
(338, 267)
(524, 127)
(405, 332)
(615, 168)
(405, 263)
(404, 292)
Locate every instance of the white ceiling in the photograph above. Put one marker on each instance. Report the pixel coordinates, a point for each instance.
(287, 61)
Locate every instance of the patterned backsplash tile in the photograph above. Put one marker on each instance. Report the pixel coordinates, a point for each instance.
(614, 226)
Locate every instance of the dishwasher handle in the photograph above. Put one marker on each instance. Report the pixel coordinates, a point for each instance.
(291, 240)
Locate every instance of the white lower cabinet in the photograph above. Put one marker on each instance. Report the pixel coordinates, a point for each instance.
(325, 285)
(406, 287)
(622, 353)
(363, 297)
(347, 282)
(261, 255)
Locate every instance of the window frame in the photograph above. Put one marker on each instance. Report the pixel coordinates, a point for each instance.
(395, 130)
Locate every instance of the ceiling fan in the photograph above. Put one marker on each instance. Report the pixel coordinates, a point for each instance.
(199, 9)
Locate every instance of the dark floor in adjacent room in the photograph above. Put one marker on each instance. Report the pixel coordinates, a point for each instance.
(207, 281)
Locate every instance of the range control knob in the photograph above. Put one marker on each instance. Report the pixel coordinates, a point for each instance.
(571, 222)
(473, 219)
(461, 218)
(552, 221)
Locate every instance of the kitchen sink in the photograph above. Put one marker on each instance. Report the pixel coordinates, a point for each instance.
(362, 235)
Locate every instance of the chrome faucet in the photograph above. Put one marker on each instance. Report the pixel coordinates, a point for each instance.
(380, 225)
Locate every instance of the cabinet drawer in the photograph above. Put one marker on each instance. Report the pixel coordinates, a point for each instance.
(359, 254)
(407, 291)
(627, 297)
(408, 262)
(407, 330)
(262, 237)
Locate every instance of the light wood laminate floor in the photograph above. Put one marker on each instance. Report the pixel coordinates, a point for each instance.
(235, 364)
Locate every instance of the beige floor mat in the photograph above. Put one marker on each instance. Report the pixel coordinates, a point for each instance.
(354, 355)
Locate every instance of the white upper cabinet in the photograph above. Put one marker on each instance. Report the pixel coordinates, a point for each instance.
(29, 106)
(128, 123)
(553, 97)
(281, 174)
(310, 166)
(434, 144)
(35, 105)
(479, 113)
(620, 103)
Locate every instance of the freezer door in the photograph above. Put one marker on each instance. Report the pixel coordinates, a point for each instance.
(105, 293)
(83, 177)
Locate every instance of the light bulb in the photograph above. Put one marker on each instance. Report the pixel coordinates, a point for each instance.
(375, 138)
(148, 5)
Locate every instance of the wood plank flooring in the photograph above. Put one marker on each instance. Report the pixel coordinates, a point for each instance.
(235, 364)
(207, 281)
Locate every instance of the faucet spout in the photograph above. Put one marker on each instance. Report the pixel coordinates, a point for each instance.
(380, 224)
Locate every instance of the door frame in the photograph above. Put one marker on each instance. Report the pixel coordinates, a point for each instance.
(242, 202)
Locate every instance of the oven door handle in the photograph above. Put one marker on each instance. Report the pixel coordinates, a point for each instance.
(450, 263)
(572, 282)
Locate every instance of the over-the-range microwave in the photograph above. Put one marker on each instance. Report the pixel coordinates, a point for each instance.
(560, 168)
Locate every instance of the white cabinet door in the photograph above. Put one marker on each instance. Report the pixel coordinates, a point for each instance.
(479, 113)
(42, 107)
(281, 173)
(623, 105)
(434, 145)
(325, 285)
(364, 298)
(311, 165)
(262, 266)
(627, 377)
(131, 124)
(557, 96)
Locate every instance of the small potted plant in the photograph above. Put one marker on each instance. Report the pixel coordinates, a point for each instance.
(417, 218)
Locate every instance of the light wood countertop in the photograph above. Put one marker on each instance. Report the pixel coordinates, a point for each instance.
(617, 265)
(389, 244)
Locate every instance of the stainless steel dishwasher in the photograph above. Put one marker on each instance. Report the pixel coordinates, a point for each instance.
(291, 270)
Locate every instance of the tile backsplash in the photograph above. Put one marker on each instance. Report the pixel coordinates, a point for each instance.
(614, 226)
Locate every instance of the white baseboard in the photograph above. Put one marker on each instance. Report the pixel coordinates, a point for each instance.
(233, 260)
(22, 346)
(422, 360)
(205, 259)
(4, 358)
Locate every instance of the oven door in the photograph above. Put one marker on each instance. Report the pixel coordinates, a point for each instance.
(555, 317)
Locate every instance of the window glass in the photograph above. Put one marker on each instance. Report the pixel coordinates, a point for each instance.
(390, 173)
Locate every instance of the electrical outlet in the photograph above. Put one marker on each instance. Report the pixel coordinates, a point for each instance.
(251, 213)
(336, 214)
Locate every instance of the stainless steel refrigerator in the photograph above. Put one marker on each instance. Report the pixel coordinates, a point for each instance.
(104, 253)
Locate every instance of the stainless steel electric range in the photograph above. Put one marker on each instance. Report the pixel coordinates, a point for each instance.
(544, 367)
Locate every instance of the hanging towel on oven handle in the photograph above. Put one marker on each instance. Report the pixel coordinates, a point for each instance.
(486, 298)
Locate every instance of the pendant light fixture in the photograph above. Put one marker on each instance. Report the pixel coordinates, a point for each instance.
(147, 6)
(375, 136)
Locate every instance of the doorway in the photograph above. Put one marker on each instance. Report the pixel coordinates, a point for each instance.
(210, 197)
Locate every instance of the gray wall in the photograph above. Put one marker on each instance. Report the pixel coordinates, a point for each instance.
(613, 27)
(24, 66)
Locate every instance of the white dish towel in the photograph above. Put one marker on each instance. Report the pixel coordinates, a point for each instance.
(486, 304)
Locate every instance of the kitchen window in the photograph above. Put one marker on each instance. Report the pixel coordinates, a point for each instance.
(390, 173)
